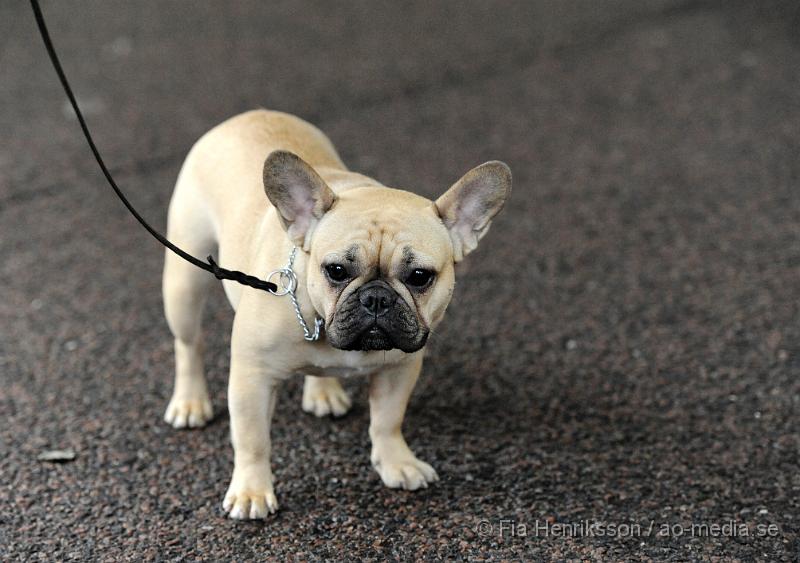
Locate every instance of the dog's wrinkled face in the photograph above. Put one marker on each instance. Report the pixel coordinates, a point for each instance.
(381, 261)
(381, 269)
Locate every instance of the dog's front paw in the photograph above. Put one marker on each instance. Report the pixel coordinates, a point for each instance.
(403, 471)
(191, 413)
(324, 395)
(250, 495)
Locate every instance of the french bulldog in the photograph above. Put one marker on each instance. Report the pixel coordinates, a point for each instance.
(375, 263)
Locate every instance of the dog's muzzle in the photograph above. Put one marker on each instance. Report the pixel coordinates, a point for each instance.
(375, 317)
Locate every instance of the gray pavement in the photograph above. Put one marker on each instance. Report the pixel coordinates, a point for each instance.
(622, 350)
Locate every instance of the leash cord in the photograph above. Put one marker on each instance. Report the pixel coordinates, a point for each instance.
(210, 266)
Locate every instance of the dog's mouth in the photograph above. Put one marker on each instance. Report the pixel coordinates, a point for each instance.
(374, 338)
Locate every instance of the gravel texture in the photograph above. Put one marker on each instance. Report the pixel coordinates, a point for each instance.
(622, 350)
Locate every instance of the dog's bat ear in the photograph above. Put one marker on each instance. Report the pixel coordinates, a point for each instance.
(298, 193)
(468, 207)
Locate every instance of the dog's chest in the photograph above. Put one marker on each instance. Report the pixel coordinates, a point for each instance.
(338, 363)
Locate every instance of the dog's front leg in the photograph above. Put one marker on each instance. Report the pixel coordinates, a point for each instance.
(394, 461)
(252, 392)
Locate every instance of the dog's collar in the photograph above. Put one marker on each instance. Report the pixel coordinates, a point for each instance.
(286, 284)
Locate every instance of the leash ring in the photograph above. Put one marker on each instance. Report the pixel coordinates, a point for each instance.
(287, 281)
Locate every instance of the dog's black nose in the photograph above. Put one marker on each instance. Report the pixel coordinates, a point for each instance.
(377, 297)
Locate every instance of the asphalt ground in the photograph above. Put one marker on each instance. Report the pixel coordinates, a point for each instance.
(621, 351)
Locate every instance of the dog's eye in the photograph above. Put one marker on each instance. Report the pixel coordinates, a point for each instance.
(336, 272)
(419, 278)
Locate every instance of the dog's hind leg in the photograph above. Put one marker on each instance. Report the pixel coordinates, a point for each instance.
(185, 289)
(324, 395)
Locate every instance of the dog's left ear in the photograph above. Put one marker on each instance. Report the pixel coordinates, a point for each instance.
(468, 207)
(298, 193)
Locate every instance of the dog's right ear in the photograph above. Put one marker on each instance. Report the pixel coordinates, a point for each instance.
(468, 207)
(298, 193)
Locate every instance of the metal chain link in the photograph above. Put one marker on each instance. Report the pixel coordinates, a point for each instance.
(287, 285)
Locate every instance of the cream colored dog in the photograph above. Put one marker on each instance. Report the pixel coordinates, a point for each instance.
(375, 263)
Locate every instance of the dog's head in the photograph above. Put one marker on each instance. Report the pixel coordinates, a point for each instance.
(381, 261)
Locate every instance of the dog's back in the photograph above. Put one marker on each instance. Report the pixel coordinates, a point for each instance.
(237, 148)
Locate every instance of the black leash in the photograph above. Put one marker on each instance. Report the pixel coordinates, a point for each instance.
(210, 266)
